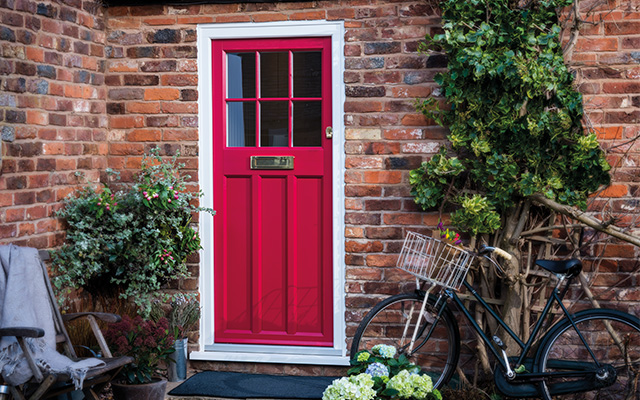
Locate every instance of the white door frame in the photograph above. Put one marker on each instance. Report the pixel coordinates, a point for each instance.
(209, 350)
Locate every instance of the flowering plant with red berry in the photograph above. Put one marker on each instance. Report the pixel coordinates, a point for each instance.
(132, 242)
(148, 342)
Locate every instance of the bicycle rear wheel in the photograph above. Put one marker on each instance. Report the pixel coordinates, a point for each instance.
(614, 338)
(385, 324)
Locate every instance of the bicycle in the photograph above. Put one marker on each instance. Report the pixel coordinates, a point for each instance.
(593, 350)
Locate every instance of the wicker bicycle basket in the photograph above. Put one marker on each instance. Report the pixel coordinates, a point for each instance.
(435, 261)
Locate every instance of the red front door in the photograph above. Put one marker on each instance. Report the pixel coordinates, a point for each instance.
(272, 191)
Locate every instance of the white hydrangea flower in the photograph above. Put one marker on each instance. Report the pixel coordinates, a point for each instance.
(358, 387)
(384, 350)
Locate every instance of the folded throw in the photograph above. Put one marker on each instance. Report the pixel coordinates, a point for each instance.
(24, 302)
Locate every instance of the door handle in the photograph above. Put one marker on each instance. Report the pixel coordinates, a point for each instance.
(329, 132)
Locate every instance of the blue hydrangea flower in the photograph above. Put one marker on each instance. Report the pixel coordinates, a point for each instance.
(384, 350)
(377, 370)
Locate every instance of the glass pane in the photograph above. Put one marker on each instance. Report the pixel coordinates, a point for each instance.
(307, 77)
(274, 74)
(241, 124)
(307, 123)
(241, 75)
(274, 124)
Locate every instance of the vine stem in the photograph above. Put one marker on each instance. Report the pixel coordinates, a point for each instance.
(586, 219)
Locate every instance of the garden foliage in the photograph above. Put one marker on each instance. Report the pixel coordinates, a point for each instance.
(130, 242)
(515, 119)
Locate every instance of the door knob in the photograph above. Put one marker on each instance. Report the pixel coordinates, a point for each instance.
(329, 132)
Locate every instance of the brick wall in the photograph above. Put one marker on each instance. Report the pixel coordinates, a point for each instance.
(607, 64)
(147, 95)
(52, 111)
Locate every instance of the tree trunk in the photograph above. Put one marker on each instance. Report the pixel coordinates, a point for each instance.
(512, 285)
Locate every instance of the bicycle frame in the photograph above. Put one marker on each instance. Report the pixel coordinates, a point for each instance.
(525, 347)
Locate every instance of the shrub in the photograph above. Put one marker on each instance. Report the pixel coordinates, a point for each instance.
(128, 243)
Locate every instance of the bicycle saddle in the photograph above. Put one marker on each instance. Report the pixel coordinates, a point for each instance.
(570, 268)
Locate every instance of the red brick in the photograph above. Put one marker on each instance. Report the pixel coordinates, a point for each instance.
(36, 212)
(622, 28)
(199, 19)
(367, 246)
(179, 80)
(384, 177)
(367, 274)
(268, 17)
(403, 219)
(35, 54)
(614, 191)
(144, 135)
(599, 44)
(38, 181)
(119, 122)
(362, 106)
(233, 18)
(415, 120)
(381, 260)
(161, 94)
(14, 215)
(609, 133)
(621, 87)
(126, 149)
(308, 15)
(164, 20)
(37, 117)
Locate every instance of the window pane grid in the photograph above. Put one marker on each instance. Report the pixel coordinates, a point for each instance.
(270, 129)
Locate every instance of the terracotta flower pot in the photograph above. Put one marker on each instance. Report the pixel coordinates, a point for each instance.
(155, 390)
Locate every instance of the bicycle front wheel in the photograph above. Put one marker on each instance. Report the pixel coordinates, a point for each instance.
(392, 322)
(614, 340)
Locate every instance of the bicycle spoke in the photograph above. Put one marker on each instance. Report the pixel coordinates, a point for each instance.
(616, 344)
(393, 321)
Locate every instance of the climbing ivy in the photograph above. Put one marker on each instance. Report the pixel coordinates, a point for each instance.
(515, 119)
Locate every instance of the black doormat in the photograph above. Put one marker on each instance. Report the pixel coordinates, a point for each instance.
(253, 386)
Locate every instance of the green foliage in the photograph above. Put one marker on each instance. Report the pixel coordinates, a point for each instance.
(515, 119)
(128, 242)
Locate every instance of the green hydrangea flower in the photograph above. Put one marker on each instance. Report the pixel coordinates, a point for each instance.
(411, 385)
(363, 356)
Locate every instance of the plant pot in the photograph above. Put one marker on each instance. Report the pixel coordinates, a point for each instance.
(155, 390)
(177, 368)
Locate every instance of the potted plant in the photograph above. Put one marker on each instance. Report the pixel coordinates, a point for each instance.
(183, 316)
(379, 375)
(150, 343)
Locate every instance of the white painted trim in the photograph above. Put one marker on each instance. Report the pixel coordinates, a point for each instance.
(277, 354)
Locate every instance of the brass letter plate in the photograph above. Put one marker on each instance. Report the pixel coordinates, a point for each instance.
(271, 162)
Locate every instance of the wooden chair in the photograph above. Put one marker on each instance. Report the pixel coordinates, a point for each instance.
(42, 385)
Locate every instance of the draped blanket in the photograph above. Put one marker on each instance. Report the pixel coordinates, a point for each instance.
(24, 302)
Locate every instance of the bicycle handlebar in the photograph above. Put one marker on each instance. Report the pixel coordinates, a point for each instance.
(499, 252)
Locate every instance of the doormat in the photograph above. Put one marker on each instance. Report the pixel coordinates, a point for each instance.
(253, 386)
